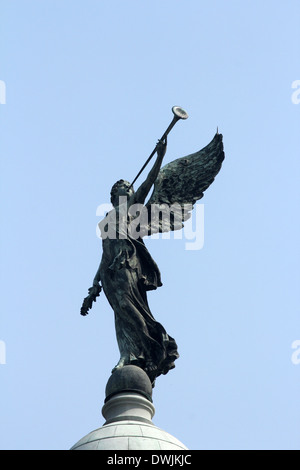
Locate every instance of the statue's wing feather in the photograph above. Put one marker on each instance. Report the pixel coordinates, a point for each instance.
(181, 183)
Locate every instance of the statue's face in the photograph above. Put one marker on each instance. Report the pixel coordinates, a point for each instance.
(124, 190)
(120, 190)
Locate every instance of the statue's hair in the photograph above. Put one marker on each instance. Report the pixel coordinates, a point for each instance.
(116, 186)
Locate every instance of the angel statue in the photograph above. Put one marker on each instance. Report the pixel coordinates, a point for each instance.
(127, 270)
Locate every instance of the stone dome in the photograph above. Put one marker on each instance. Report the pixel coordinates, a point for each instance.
(129, 435)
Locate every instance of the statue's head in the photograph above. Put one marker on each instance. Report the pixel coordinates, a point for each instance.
(120, 189)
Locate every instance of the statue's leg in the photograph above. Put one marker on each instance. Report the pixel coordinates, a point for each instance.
(133, 320)
(141, 339)
(121, 363)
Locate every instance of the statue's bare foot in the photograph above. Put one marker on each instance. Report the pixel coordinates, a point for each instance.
(120, 364)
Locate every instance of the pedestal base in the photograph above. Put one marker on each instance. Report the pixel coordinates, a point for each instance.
(128, 417)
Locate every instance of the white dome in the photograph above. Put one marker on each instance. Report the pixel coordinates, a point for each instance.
(128, 435)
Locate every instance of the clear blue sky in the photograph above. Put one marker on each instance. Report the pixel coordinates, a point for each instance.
(89, 90)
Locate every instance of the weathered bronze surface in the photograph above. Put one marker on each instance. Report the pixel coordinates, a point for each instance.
(127, 270)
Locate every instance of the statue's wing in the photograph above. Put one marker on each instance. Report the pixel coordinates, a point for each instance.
(180, 184)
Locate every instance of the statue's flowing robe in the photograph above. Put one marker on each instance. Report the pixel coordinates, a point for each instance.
(127, 272)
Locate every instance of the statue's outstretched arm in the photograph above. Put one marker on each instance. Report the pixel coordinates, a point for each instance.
(94, 292)
(142, 192)
(97, 278)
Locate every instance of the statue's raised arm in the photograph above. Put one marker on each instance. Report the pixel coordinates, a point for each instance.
(140, 195)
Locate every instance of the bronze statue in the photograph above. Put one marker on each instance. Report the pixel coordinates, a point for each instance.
(127, 270)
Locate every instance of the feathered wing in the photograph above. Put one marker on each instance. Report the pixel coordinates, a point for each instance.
(180, 184)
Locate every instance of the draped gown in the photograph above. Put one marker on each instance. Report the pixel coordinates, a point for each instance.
(127, 272)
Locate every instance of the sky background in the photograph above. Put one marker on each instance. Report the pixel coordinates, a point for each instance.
(89, 90)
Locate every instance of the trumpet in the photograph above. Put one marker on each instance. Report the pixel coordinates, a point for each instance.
(179, 113)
